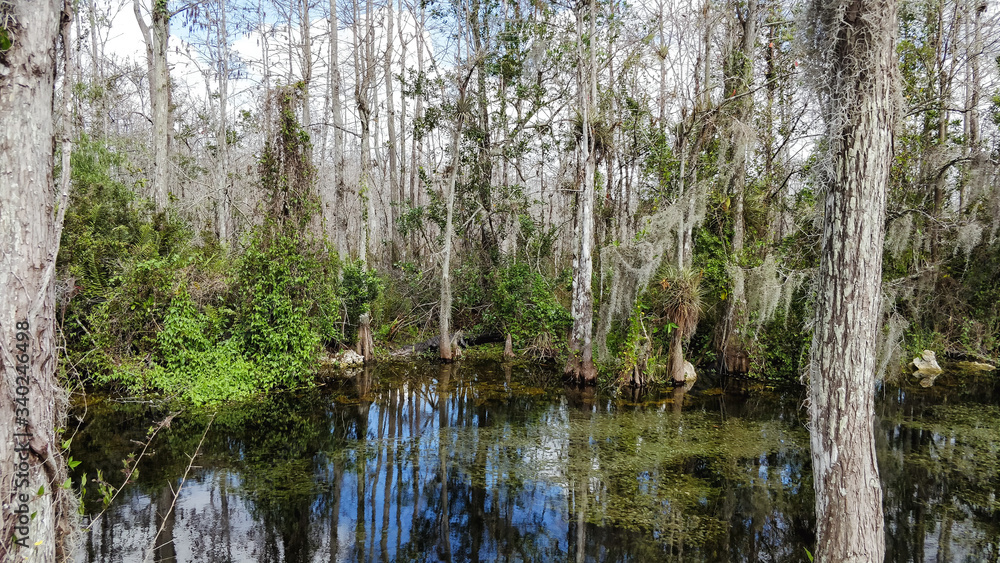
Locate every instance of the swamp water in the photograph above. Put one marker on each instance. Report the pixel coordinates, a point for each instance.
(478, 462)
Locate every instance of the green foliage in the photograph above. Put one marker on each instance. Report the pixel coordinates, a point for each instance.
(189, 363)
(195, 364)
(641, 363)
(120, 260)
(285, 302)
(711, 257)
(155, 312)
(360, 287)
(781, 349)
(285, 289)
(520, 301)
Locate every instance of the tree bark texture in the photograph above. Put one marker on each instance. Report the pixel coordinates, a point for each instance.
(222, 136)
(580, 365)
(156, 36)
(304, 25)
(364, 55)
(391, 141)
(339, 184)
(31, 399)
(444, 346)
(739, 76)
(857, 63)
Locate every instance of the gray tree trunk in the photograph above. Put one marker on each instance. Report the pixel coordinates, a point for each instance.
(156, 35)
(856, 58)
(444, 345)
(363, 64)
(31, 400)
(580, 365)
(222, 173)
(391, 141)
(400, 30)
(738, 85)
(417, 145)
(339, 185)
(101, 122)
(973, 94)
(304, 26)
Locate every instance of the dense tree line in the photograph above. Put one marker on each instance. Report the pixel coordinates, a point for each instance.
(621, 187)
(644, 176)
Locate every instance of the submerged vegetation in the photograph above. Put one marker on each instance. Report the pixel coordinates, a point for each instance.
(685, 477)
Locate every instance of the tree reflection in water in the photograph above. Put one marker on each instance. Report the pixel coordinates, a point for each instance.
(484, 462)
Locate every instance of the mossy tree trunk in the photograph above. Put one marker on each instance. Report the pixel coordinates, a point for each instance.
(35, 510)
(445, 345)
(856, 60)
(156, 34)
(738, 85)
(580, 365)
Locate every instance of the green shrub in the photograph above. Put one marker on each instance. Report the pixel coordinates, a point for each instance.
(520, 301)
(118, 260)
(286, 306)
(360, 287)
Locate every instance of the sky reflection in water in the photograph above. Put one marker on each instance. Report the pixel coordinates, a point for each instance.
(477, 462)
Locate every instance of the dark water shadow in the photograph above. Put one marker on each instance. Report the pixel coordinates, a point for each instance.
(494, 462)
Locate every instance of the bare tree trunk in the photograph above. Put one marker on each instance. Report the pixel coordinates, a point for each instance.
(305, 26)
(444, 344)
(339, 185)
(222, 140)
(366, 344)
(402, 113)
(580, 365)
(681, 180)
(661, 54)
(100, 123)
(482, 170)
(973, 93)
(362, 96)
(34, 509)
(675, 361)
(156, 34)
(390, 106)
(266, 66)
(417, 146)
(857, 59)
(508, 348)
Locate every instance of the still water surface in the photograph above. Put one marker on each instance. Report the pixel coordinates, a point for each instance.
(481, 462)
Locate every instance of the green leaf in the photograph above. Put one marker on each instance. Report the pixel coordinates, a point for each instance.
(67, 483)
(41, 490)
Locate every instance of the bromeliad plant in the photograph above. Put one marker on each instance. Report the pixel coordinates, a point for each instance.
(678, 294)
